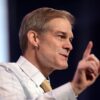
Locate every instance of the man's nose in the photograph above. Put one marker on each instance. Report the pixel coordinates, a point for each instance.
(68, 45)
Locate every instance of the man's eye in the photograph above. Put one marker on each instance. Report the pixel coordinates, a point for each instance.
(61, 36)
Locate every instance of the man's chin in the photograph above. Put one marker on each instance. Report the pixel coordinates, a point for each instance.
(63, 67)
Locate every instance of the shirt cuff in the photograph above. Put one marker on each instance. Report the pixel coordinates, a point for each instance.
(64, 92)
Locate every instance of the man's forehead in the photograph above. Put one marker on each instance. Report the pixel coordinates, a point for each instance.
(58, 20)
(59, 23)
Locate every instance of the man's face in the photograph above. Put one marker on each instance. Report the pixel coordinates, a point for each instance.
(55, 44)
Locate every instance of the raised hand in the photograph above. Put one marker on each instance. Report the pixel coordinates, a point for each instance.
(87, 70)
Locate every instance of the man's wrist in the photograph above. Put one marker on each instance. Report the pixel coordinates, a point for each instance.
(75, 89)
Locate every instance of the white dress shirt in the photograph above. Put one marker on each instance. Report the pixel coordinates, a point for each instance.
(21, 81)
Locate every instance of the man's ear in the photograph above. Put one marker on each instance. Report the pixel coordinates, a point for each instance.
(33, 38)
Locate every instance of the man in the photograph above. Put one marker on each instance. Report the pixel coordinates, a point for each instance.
(45, 39)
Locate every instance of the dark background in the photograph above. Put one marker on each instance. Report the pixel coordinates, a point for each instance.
(87, 27)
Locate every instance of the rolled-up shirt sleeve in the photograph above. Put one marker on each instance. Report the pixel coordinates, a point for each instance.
(64, 92)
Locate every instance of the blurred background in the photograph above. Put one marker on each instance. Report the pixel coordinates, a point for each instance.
(86, 28)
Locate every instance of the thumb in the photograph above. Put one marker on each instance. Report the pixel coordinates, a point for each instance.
(88, 49)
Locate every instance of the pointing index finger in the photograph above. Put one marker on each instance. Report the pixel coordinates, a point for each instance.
(88, 49)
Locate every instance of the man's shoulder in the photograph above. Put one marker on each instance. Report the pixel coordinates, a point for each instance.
(8, 66)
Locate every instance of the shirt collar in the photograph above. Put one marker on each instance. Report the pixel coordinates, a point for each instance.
(30, 70)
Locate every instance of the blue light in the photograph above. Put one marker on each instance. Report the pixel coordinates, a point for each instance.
(4, 40)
